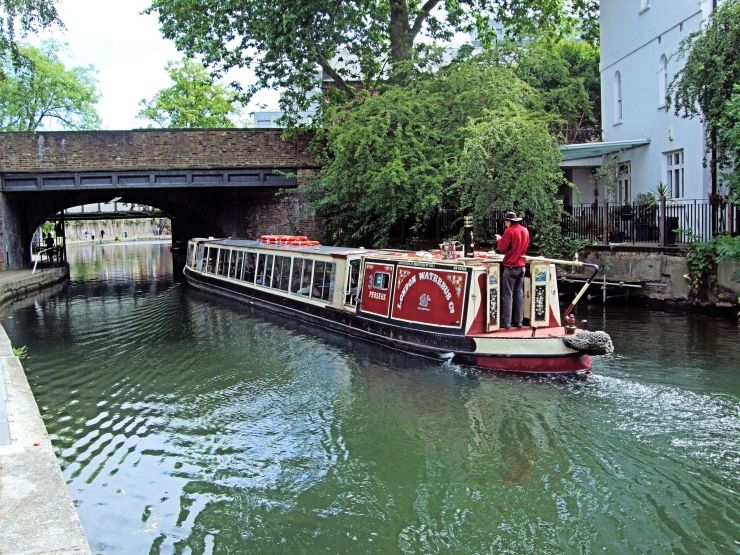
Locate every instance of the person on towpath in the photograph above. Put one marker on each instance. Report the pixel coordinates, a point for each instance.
(513, 244)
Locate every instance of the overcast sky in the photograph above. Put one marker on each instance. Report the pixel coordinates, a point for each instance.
(127, 50)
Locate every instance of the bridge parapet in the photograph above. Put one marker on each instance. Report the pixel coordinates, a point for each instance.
(151, 150)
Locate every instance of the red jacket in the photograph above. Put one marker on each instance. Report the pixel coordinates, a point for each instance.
(513, 244)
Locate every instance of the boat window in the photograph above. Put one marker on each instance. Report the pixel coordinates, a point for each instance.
(249, 264)
(281, 276)
(212, 256)
(223, 262)
(301, 282)
(190, 255)
(200, 258)
(323, 281)
(264, 270)
(237, 261)
(381, 280)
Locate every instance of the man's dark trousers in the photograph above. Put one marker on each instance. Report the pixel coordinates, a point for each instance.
(512, 297)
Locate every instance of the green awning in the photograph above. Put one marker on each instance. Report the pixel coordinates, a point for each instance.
(590, 150)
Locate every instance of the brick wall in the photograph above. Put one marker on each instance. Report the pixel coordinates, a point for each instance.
(83, 151)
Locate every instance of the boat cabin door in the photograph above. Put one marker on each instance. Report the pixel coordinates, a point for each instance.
(494, 285)
(352, 280)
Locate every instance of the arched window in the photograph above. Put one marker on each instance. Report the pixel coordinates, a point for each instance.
(662, 81)
(617, 97)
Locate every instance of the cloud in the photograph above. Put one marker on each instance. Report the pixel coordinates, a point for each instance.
(126, 48)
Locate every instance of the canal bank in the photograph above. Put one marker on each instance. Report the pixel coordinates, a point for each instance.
(36, 512)
(659, 278)
(15, 284)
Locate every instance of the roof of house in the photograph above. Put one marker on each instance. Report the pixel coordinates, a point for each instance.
(591, 150)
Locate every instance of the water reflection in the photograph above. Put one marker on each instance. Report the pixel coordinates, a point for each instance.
(187, 423)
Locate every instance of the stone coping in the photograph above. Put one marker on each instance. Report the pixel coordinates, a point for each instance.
(36, 512)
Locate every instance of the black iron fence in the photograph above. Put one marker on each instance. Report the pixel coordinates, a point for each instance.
(666, 222)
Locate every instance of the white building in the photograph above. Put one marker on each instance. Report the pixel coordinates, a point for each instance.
(639, 42)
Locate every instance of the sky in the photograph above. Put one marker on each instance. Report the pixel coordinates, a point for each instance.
(128, 52)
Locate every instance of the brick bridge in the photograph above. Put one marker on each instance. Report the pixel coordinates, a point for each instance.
(219, 182)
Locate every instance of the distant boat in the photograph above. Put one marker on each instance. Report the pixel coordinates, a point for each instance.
(434, 303)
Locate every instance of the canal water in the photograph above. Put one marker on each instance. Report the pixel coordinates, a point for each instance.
(189, 424)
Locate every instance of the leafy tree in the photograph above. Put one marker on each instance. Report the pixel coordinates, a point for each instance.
(729, 135)
(706, 83)
(37, 91)
(510, 160)
(566, 74)
(393, 158)
(22, 17)
(194, 100)
(361, 42)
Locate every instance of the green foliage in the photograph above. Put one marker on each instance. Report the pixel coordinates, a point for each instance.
(20, 352)
(729, 135)
(194, 100)
(728, 248)
(393, 157)
(510, 160)
(608, 175)
(707, 82)
(354, 43)
(703, 258)
(23, 16)
(38, 92)
(566, 74)
(384, 165)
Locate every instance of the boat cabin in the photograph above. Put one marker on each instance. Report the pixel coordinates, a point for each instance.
(421, 290)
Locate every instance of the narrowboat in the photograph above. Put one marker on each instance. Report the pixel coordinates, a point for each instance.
(442, 303)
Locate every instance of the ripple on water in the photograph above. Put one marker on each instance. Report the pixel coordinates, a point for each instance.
(184, 422)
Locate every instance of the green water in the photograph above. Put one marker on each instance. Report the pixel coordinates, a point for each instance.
(188, 424)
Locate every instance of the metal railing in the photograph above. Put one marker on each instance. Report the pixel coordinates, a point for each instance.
(667, 222)
(664, 223)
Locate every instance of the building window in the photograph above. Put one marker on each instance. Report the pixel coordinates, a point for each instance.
(675, 173)
(662, 81)
(624, 179)
(617, 98)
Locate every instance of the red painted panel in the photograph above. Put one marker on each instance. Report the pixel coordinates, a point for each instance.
(429, 296)
(537, 365)
(376, 297)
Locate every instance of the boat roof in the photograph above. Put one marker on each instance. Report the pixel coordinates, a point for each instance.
(416, 256)
(314, 249)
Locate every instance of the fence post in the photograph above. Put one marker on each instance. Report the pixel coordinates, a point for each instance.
(661, 222)
(605, 224)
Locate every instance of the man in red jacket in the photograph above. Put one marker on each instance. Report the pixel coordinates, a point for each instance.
(513, 244)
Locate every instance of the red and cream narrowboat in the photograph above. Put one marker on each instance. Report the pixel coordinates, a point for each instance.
(438, 304)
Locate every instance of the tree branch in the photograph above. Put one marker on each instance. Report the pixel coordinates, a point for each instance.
(338, 80)
(426, 9)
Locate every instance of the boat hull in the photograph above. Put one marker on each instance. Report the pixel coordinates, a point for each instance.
(513, 352)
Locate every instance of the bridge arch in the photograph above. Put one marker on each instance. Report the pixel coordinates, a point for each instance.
(209, 182)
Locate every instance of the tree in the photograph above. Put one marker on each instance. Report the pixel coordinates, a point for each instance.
(194, 100)
(511, 161)
(705, 84)
(729, 135)
(566, 74)
(23, 16)
(37, 91)
(356, 44)
(393, 158)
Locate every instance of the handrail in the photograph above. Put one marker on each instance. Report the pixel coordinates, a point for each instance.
(39, 256)
(577, 298)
